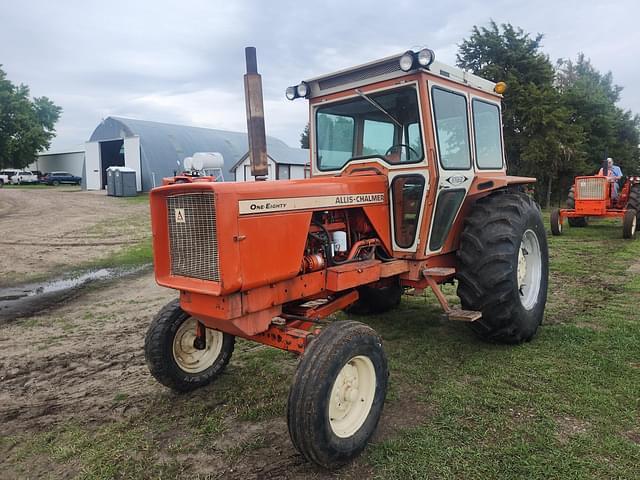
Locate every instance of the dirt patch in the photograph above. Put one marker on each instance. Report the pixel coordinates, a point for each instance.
(569, 427)
(634, 436)
(55, 229)
(83, 364)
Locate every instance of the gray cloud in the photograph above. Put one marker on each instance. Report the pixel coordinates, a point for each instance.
(183, 61)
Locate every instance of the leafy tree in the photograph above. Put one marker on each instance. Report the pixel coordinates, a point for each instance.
(26, 125)
(540, 138)
(304, 137)
(592, 97)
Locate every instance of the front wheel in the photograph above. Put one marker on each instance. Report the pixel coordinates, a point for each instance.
(629, 224)
(556, 223)
(177, 358)
(504, 267)
(337, 394)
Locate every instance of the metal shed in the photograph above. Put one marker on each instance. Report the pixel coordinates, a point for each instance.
(154, 149)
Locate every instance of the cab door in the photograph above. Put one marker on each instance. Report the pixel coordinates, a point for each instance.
(454, 159)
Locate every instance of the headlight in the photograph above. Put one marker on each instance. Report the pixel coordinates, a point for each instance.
(426, 57)
(302, 90)
(290, 93)
(406, 61)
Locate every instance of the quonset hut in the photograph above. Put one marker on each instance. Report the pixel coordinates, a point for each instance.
(156, 150)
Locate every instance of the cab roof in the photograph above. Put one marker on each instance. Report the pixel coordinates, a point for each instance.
(389, 68)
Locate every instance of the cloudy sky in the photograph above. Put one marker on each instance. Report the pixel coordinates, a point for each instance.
(182, 62)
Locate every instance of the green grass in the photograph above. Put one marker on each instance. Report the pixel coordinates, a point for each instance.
(565, 405)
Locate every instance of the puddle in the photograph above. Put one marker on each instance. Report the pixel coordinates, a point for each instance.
(27, 299)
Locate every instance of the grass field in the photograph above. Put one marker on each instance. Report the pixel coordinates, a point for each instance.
(566, 405)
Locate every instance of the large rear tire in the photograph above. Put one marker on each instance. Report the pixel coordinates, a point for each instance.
(579, 222)
(337, 394)
(172, 355)
(378, 299)
(629, 224)
(504, 267)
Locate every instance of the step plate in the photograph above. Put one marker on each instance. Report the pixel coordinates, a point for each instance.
(464, 315)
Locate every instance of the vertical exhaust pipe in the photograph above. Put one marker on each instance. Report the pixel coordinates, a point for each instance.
(255, 116)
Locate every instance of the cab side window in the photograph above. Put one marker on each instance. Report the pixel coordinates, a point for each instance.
(452, 129)
(486, 127)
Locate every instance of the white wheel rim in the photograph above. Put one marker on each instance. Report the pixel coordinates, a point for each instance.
(633, 225)
(529, 273)
(352, 396)
(559, 225)
(187, 356)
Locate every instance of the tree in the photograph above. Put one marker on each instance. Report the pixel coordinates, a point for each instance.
(304, 137)
(537, 124)
(592, 97)
(26, 125)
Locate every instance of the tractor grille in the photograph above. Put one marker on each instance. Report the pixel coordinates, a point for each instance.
(593, 188)
(193, 242)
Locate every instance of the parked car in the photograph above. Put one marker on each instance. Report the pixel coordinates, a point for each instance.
(56, 178)
(25, 176)
(3, 179)
(10, 174)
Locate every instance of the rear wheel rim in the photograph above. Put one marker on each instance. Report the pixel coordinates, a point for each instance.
(352, 396)
(634, 223)
(529, 272)
(187, 356)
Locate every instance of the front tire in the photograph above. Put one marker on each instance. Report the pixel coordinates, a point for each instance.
(504, 267)
(556, 224)
(629, 223)
(337, 394)
(172, 356)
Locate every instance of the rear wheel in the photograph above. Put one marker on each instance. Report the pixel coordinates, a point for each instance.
(55, 183)
(634, 199)
(174, 355)
(571, 204)
(337, 394)
(503, 267)
(378, 299)
(554, 220)
(629, 223)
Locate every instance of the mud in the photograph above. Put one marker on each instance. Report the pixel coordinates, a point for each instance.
(24, 300)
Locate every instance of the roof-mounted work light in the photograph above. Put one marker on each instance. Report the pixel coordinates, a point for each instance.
(298, 91)
(411, 60)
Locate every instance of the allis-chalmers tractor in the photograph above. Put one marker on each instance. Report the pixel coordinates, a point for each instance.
(408, 191)
(592, 197)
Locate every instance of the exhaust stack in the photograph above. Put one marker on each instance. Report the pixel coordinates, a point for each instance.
(255, 116)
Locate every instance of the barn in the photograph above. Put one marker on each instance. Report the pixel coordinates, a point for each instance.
(156, 150)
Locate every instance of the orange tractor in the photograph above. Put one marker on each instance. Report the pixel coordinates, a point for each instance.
(409, 190)
(592, 197)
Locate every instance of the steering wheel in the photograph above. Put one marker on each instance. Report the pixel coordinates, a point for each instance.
(399, 146)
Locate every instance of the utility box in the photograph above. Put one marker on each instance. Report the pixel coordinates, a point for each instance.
(124, 182)
(111, 185)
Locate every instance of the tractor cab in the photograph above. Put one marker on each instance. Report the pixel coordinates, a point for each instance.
(432, 129)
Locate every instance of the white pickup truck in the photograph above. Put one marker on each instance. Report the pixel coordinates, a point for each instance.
(3, 179)
(25, 176)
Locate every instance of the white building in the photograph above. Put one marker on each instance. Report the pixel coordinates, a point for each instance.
(69, 160)
(291, 165)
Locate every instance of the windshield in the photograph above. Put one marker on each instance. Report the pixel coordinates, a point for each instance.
(383, 124)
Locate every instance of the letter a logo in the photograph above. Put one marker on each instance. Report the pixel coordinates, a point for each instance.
(180, 215)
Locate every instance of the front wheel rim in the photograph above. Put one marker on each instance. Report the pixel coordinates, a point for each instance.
(187, 356)
(529, 272)
(352, 396)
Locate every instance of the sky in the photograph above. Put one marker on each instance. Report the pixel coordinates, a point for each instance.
(183, 62)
